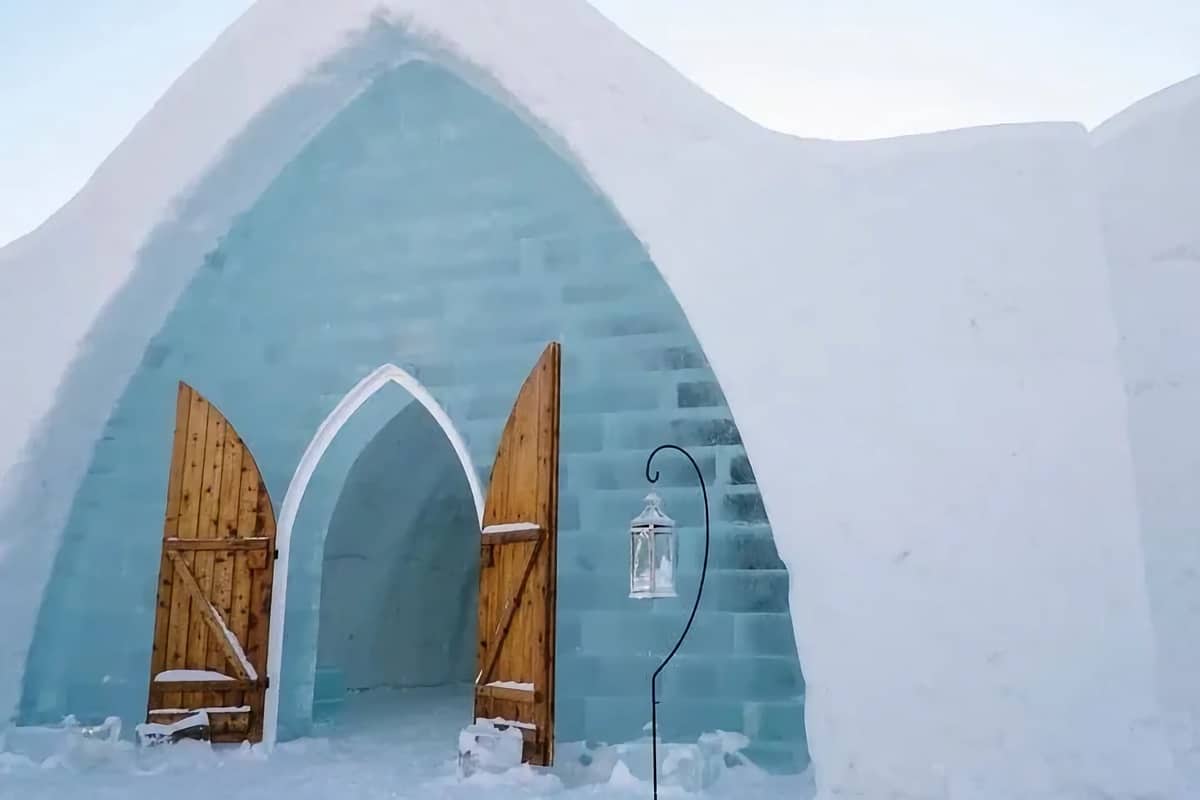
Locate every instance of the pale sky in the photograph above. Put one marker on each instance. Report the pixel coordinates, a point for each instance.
(76, 75)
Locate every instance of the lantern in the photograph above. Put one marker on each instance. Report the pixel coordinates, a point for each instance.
(652, 552)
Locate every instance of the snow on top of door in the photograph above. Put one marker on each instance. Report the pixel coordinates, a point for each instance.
(179, 675)
(512, 527)
(516, 685)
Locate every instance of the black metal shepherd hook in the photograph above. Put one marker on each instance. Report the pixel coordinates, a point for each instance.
(695, 607)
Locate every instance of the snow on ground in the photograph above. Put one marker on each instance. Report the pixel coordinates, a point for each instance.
(386, 744)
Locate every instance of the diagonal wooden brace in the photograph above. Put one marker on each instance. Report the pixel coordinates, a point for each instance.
(208, 613)
(510, 610)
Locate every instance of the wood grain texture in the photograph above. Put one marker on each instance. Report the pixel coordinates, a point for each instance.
(215, 572)
(221, 686)
(209, 616)
(188, 516)
(518, 570)
(255, 543)
(202, 560)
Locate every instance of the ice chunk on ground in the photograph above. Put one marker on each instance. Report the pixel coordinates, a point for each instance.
(622, 778)
(483, 747)
(68, 744)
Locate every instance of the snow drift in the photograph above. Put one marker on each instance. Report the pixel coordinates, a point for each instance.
(924, 371)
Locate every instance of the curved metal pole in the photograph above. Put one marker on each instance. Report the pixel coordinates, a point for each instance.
(695, 606)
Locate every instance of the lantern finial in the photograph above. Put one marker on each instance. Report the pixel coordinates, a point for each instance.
(653, 514)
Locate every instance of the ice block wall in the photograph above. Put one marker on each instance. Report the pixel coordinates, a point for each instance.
(429, 227)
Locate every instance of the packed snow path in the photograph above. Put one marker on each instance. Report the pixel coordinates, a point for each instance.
(393, 745)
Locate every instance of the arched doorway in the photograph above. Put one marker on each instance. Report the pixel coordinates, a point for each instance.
(416, 426)
(399, 578)
(515, 559)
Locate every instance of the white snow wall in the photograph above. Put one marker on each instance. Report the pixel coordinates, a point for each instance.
(967, 578)
(1149, 160)
(924, 377)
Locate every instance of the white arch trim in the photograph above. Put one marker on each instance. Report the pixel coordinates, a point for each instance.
(354, 399)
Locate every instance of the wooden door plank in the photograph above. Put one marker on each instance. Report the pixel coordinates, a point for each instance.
(544, 675)
(162, 615)
(248, 483)
(225, 540)
(193, 468)
(187, 521)
(485, 613)
(258, 621)
(518, 583)
(208, 509)
(183, 404)
(260, 587)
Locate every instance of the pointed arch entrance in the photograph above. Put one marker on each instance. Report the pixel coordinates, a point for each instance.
(381, 377)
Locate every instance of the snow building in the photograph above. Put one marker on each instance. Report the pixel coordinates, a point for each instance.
(339, 246)
(1148, 174)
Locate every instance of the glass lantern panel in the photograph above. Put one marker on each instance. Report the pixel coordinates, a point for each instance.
(664, 554)
(641, 563)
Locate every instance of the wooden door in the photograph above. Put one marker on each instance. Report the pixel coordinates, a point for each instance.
(214, 581)
(518, 567)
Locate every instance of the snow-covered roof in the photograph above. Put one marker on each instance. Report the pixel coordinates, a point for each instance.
(1172, 101)
(923, 369)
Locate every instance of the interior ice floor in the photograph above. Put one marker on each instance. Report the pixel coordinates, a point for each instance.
(385, 744)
